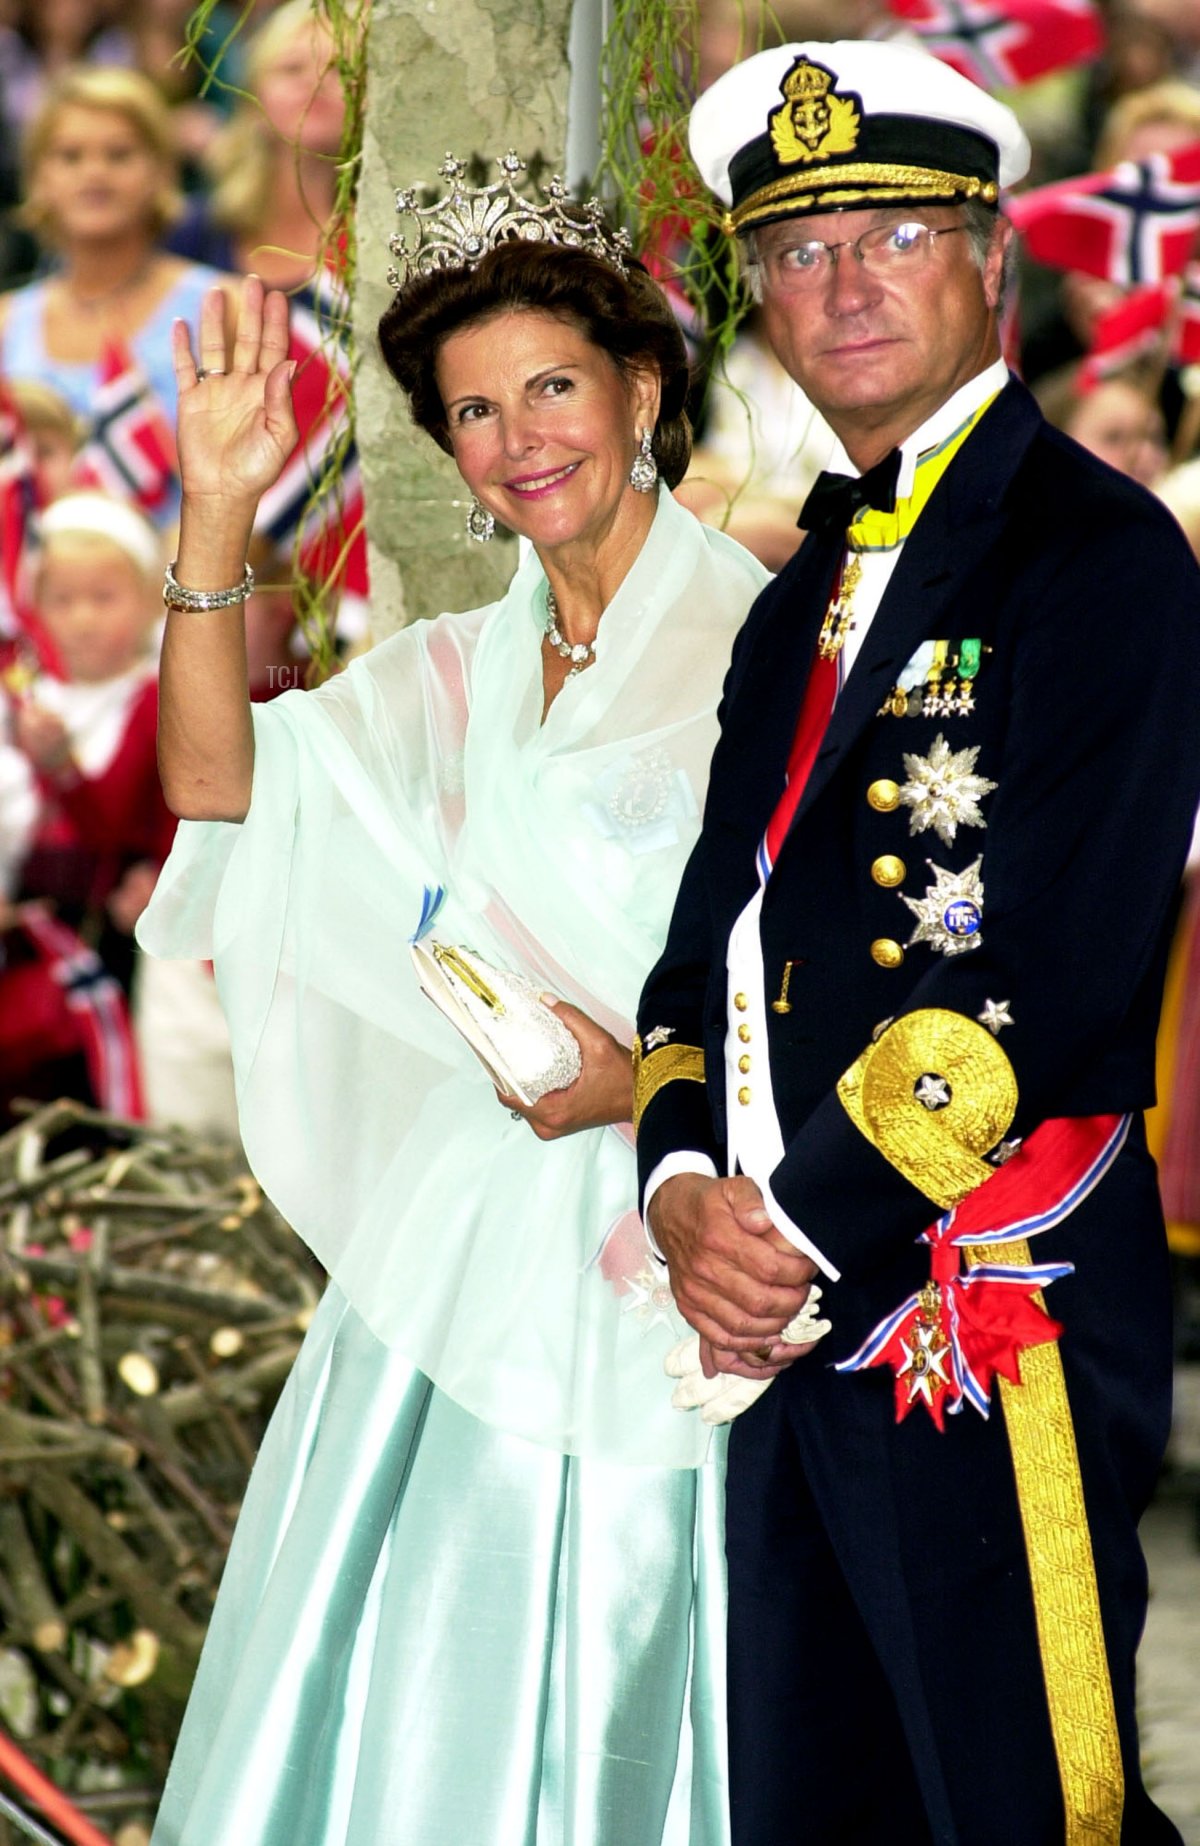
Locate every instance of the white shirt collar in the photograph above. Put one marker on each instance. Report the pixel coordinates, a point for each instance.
(945, 420)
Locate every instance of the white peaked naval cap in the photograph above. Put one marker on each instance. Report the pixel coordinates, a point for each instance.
(857, 122)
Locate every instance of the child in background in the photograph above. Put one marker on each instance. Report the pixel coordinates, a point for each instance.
(103, 828)
(55, 434)
(90, 736)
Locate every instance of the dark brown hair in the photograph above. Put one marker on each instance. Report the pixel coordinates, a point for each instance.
(626, 316)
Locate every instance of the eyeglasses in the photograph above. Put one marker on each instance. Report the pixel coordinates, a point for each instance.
(888, 250)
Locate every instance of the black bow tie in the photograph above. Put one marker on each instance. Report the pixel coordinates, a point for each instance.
(837, 498)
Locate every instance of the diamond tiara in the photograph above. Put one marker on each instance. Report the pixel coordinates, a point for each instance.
(458, 230)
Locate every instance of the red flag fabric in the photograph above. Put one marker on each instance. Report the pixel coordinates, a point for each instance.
(25, 647)
(1187, 332)
(1138, 327)
(1000, 44)
(1160, 323)
(329, 525)
(1134, 226)
(130, 449)
(947, 1342)
(18, 507)
(89, 997)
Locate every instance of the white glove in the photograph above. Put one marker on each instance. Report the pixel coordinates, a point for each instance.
(724, 1397)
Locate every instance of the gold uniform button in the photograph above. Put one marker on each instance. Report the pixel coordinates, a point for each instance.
(744, 1063)
(741, 1002)
(884, 795)
(889, 871)
(744, 1034)
(887, 953)
(743, 1096)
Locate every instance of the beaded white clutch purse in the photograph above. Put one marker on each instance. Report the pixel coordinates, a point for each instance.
(524, 1047)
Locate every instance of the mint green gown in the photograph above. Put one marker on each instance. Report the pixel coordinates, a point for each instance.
(476, 1592)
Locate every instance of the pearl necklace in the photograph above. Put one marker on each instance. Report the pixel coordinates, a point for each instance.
(580, 653)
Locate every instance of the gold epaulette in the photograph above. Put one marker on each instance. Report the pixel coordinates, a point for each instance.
(934, 1094)
(668, 1064)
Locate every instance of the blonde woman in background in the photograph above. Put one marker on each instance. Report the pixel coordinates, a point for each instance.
(273, 167)
(100, 188)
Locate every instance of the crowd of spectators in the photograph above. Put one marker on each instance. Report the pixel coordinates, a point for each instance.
(137, 186)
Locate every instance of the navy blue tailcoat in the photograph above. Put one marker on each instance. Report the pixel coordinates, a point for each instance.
(886, 1677)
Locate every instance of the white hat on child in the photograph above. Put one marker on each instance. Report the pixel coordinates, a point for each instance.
(88, 511)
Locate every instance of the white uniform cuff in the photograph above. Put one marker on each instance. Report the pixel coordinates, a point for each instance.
(683, 1160)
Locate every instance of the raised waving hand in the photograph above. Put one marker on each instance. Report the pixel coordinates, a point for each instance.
(235, 432)
(236, 427)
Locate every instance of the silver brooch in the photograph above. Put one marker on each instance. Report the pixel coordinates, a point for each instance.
(641, 801)
(943, 791)
(641, 796)
(950, 915)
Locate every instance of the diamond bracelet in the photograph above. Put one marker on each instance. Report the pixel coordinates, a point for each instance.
(198, 602)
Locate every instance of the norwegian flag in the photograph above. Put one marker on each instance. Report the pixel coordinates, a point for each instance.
(25, 647)
(1161, 323)
(1187, 333)
(1136, 225)
(18, 508)
(326, 528)
(1008, 43)
(1137, 328)
(95, 999)
(130, 449)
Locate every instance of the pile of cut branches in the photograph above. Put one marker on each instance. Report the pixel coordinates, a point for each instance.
(151, 1304)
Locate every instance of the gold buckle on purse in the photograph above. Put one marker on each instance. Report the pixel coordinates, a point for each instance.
(469, 976)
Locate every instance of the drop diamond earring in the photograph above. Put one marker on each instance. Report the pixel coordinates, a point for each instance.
(643, 475)
(480, 523)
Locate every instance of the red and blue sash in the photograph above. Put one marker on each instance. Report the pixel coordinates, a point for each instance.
(947, 1342)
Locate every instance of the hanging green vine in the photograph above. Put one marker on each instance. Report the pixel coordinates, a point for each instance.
(315, 599)
(650, 78)
(649, 81)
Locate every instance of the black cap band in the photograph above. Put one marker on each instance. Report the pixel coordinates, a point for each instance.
(896, 160)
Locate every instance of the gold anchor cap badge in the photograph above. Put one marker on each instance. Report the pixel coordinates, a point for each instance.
(813, 122)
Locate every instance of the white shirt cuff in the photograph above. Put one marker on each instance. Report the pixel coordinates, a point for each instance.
(683, 1160)
(792, 1232)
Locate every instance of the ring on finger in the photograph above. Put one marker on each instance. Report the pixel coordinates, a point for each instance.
(516, 1115)
(209, 371)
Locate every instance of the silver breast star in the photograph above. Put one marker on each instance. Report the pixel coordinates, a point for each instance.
(995, 1016)
(943, 790)
(951, 912)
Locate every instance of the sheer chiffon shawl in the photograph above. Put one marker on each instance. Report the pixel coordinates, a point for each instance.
(504, 1267)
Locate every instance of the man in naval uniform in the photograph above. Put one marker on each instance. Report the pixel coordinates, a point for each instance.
(902, 1033)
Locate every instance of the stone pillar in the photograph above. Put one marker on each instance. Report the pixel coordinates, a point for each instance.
(459, 76)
